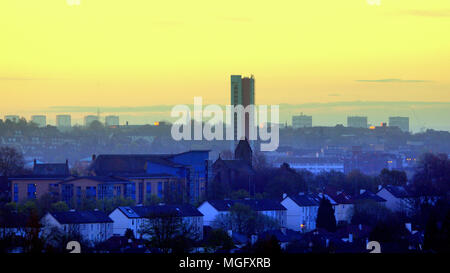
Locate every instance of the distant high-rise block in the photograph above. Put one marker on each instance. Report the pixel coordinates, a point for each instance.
(301, 121)
(12, 118)
(242, 93)
(63, 122)
(89, 119)
(40, 120)
(112, 121)
(400, 122)
(357, 122)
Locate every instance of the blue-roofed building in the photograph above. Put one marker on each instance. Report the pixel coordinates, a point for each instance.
(168, 176)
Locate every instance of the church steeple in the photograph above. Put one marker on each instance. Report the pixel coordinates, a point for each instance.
(243, 151)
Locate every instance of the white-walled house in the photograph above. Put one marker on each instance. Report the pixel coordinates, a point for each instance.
(93, 226)
(343, 206)
(213, 208)
(397, 198)
(301, 211)
(135, 218)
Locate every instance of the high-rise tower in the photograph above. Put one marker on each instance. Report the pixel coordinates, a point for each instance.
(242, 93)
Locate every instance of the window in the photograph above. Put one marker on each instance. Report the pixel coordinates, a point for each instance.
(118, 191)
(141, 192)
(91, 192)
(148, 189)
(16, 193)
(78, 195)
(160, 189)
(31, 191)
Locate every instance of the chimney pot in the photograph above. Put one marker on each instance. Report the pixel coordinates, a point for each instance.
(93, 157)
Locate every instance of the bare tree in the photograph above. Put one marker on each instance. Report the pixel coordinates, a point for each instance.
(11, 161)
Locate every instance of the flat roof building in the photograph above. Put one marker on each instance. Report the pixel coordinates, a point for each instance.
(89, 119)
(301, 121)
(112, 121)
(242, 93)
(63, 121)
(400, 122)
(357, 122)
(40, 120)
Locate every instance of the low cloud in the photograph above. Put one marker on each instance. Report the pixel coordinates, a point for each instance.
(392, 80)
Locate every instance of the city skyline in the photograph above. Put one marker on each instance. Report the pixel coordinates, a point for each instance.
(420, 114)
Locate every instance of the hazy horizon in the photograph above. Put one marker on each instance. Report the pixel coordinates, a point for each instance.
(429, 115)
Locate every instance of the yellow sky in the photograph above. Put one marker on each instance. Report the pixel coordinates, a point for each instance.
(141, 52)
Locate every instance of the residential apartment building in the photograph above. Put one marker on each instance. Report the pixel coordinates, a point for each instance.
(400, 122)
(357, 122)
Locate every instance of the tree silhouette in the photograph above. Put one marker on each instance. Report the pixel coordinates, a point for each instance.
(325, 216)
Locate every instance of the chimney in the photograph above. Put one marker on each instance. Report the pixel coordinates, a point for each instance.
(34, 161)
(380, 187)
(284, 195)
(67, 162)
(93, 157)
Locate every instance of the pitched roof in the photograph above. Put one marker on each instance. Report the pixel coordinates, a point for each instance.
(339, 197)
(54, 169)
(306, 200)
(368, 195)
(236, 164)
(81, 217)
(398, 191)
(184, 210)
(131, 164)
(254, 204)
